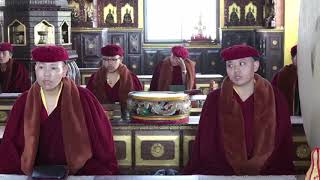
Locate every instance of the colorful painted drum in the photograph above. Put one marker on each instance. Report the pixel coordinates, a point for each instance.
(163, 107)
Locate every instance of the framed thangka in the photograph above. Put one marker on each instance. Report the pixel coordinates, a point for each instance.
(117, 13)
(83, 13)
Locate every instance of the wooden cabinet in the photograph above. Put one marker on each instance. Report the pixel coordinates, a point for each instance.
(131, 41)
(271, 45)
(88, 45)
(207, 59)
(233, 36)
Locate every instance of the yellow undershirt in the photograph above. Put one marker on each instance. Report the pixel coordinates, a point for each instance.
(43, 97)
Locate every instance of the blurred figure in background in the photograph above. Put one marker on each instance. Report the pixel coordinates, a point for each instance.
(177, 69)
(14, 77)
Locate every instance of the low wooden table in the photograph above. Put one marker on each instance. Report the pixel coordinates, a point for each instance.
(144, 149)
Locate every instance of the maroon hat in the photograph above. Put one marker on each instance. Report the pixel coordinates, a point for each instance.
(238, 52)
(112, 50)
(6, 47)
(49, 54)
(180, 51)
(294, 51)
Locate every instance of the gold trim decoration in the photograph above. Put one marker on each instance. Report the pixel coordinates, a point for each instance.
(3, 116)
(274, 42)
(301, 163)
(270, 30)
(186, 141)
(240, 28)
(127, 139)
(158, 98)
(82, 29)
(6, 107)
(195, 109)
(303, 151)
(274, 68)
(172, 162)
(206, 85)
(160, 127)
(157, 46)
(83, 78)
(131, 29)
(17, 33)
(299, 139)
(157, 150)
(160, 118)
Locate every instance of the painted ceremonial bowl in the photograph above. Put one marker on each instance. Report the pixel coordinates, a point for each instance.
(159, 107)
(309, 69)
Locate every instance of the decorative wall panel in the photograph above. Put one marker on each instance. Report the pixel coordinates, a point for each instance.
(157, 150)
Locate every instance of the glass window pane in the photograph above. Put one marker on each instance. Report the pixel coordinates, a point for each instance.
(175, 20)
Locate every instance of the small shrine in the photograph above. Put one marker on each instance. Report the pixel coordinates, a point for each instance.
(31, 23)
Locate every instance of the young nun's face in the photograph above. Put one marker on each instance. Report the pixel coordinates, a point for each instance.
(111, 63)
(5, 56)
(241, 71)
(49, 75)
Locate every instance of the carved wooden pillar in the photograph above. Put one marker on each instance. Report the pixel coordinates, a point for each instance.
(279, 13)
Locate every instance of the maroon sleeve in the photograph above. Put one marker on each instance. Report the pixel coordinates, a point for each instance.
(274, 81)
(281, 160)
(90, 82)
(155, 78)
(23, 80)
(103, 161)
(20, 81)
(207, 155)
(12, 143)
(137, 86)
(195, 82)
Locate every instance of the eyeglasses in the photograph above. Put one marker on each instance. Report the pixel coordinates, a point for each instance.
(110, 59)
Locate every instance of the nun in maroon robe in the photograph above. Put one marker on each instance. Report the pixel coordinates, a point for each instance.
(14, 77)
(113, 81)
(70, 129)
(287, 82)
(244, 127)
(177, 69)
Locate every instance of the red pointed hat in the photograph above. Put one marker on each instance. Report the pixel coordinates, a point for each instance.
(238, 52)
(6, 47)
(49, 54)
(112, 50)
(180, 51)
(294, 51)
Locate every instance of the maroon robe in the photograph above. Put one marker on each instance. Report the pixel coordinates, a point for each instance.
(112, 93)
(287, 82)
(176, 77)
(208, 156)
(15, 81)
(51, 147)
